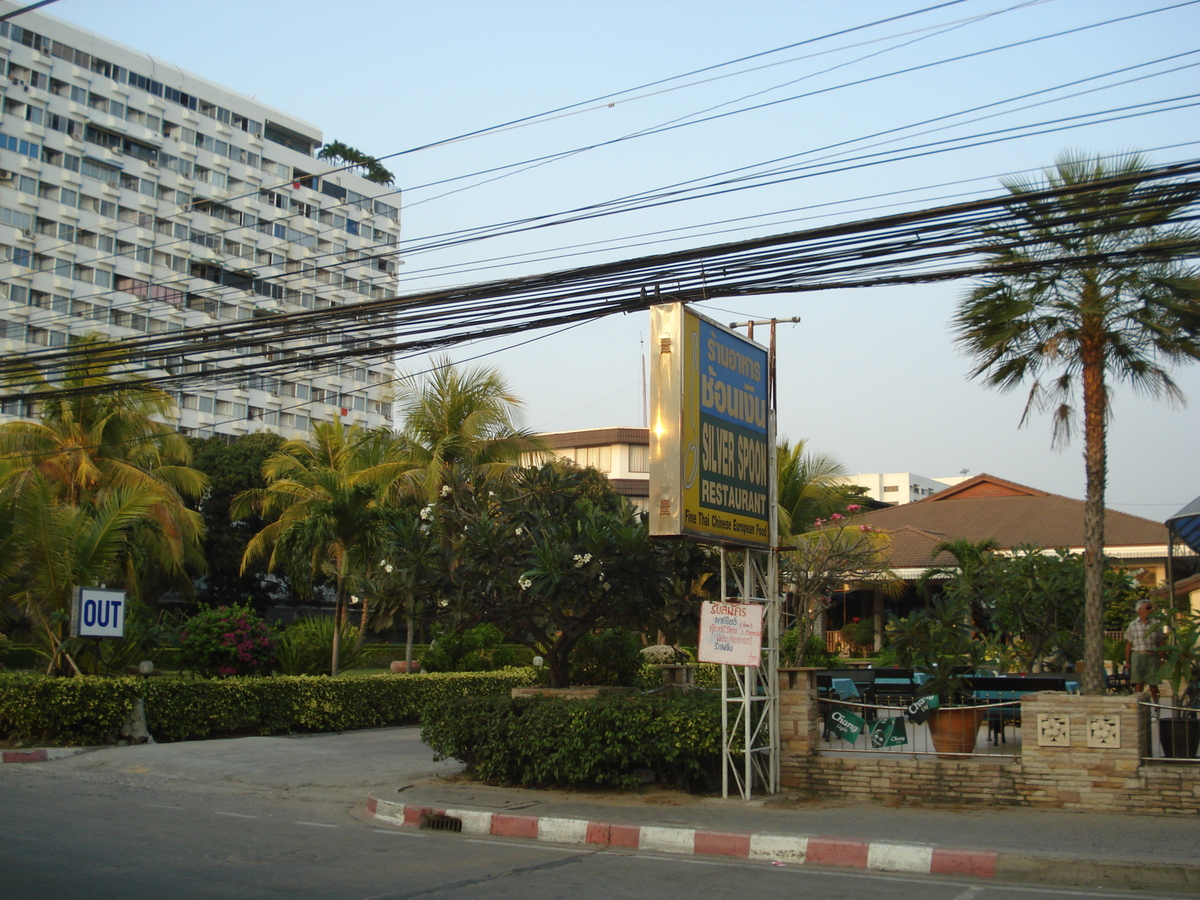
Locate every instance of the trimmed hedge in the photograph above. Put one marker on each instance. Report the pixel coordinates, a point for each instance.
(84, 710)
(92, 710)
(552, 742)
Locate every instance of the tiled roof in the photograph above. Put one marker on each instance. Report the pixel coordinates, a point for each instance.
(1012, 514)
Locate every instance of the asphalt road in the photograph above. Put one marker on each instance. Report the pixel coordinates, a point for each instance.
(69, 839)
(84, 828)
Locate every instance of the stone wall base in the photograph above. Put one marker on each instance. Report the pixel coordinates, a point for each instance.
(1157, 788)
(1078, 752)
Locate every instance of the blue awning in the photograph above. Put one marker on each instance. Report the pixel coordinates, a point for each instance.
(1186, 524)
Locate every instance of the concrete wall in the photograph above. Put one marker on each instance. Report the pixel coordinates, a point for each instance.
(1078, 752)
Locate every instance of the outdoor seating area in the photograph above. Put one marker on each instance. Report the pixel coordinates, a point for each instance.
(884, 693)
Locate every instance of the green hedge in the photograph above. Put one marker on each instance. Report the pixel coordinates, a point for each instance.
(84, 710)
(610, 740)
(91, 710)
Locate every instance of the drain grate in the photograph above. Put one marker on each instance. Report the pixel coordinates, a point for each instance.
(439, 822)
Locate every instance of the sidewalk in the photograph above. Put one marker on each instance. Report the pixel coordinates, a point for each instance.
(390, 775)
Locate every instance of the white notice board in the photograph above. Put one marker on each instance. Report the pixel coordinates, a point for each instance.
(730, 633)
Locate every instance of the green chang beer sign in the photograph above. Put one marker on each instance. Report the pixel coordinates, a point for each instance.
(918, 711)
(846, 725)
(888, 733)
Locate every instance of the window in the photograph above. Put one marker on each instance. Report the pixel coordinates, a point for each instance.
(90, 168)
(639, 458)
(25, 148)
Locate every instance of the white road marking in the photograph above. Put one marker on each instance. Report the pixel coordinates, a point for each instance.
(317, 824)
(234, 815)
(416, 834)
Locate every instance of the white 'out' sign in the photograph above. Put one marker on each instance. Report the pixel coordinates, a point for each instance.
(96, 612)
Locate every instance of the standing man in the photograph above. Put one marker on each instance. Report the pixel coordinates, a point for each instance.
(1142, 638)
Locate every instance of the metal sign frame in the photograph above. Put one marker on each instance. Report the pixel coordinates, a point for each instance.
(750, 741)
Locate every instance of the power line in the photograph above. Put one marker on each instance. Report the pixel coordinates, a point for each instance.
(905, 248)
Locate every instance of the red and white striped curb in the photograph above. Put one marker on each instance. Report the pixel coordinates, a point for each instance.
(16, 756)
(39, 755)
(883, 856)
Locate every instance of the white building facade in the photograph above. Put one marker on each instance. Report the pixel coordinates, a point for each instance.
(901, 487)
(139, 200)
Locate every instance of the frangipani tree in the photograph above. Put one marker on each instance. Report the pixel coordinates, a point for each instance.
(834, 554)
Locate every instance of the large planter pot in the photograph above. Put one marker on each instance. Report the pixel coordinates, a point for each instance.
(955, 730)
(1180, 737)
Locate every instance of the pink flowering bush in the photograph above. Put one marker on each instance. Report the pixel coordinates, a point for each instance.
(226, 641)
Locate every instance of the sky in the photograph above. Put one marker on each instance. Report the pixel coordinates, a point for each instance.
(897, 105)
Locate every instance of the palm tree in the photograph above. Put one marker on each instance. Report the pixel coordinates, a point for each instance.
(968, 573)
(51, 548)
(810, 487)
(1087, 290)
(459, 424)
(98, 433)
(326, 499)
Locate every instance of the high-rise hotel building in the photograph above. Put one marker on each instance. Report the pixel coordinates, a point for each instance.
(137, 200)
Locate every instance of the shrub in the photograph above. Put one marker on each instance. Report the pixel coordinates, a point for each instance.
(607, 658)
(606, 741)
(665, 654)
(4, 648)
(814, 654)
(305, 647)
(82, 710)
(91, 710)
(478, 649)
(228, 640)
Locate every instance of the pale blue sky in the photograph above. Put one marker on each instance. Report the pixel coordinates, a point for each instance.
(870, 377)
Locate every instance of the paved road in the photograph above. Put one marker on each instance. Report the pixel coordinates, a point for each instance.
(67, 837)
(256, 817)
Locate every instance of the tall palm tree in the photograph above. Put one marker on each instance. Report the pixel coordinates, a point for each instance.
(1089, 291)
(810, 487)
(326, 499)
(459, 424)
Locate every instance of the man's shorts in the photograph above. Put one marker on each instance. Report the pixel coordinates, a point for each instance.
(1144, 668)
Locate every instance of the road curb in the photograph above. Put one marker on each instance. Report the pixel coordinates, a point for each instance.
(882, 856)
(20, 756)
(790, 849)
(39, 755)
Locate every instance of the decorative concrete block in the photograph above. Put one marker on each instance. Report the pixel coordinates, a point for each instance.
(1053, 730)
(1104, 732)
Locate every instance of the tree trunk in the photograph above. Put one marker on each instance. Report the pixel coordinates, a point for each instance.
(339, 607)
(1095, 463)
(408, 642)
(362, 626)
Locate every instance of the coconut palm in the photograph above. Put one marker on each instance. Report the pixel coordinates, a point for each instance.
(50, 548)
(810, 487)
(326, 498)
(100, 431)
(459, 424)
(1088, 291)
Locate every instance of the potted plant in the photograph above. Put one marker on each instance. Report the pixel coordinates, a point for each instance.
(941, 642)
(1180, 733)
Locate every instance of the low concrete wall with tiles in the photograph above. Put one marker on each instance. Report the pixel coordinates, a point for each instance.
(1078, 752)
